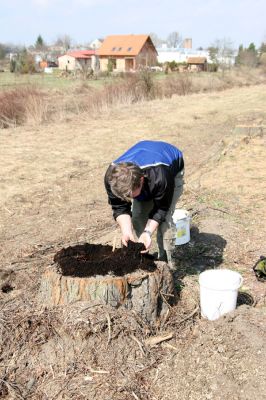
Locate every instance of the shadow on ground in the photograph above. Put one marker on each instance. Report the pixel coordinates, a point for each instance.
(204, 251)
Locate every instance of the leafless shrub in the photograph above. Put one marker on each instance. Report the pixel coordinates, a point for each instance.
(181, 85)
(132, 88)
(36, 108)
(22, 105)
(12, 108)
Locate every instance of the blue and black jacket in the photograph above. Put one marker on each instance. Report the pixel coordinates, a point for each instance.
(160, 162)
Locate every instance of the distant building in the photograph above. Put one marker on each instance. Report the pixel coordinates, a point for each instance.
(127, 53)
(197, 64)
(96, 44)
(187, 43)
(179, 54)
(75, 60)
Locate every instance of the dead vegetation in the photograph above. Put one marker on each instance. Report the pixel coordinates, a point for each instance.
(83, 351)
(22, 105)
(30, 105)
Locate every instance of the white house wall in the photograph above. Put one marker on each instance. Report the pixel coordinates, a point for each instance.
(71, 63)
(67, 62)
(120, 64)
(95, 63)
(104, 64)
(179, 55)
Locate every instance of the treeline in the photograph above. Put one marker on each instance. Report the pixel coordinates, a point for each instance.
(250, 56)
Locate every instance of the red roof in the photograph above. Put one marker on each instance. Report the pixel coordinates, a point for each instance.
(81, 53)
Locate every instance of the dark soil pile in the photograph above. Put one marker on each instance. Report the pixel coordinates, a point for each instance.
(95, 259)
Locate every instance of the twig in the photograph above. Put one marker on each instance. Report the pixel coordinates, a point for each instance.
(109, 328)
(219, 209)
(135, 396)
(164, 299)
(91, 306)
(139, 344)
(152, 341)
(169, 346)
(98, 371)
(190, 315)
(51, 368)
(169, 295)
(114, 242)
(156, 376)
(10, 212)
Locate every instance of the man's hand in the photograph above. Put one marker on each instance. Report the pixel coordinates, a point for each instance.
(124, 221)
(146, 235)
(126, 237)
(145, 238)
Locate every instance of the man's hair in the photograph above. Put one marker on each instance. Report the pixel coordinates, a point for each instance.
(123, 179)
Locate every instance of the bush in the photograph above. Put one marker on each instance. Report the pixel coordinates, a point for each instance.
(212, 67)
(131, 89)
(20, 105)
(181, 84)
(24, 64)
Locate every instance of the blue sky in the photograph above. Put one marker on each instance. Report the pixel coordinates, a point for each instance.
(241, 21)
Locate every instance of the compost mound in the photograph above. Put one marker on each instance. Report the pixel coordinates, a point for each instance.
(95, 259)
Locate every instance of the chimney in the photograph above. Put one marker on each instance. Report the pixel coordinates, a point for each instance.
(187, 43)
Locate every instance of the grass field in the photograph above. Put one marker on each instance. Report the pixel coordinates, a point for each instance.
(200, 80)
(43, 80)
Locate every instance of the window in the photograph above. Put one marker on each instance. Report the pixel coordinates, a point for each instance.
(129, 49)
(113, 49)
(120, 48)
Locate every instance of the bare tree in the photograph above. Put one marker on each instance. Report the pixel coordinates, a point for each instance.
(65, 41)
(155, 39)
(221, 53)
(174, 39)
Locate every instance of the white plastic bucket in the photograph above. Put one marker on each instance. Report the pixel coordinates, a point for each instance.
(181, 220)
(218, 292)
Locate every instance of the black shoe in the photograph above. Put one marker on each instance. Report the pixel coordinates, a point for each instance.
(163, 258)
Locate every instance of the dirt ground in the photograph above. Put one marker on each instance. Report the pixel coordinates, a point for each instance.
(52, 196)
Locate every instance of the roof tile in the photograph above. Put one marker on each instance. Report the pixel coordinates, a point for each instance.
(122, 45)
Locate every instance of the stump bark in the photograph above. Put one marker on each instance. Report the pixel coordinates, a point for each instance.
(146, 292)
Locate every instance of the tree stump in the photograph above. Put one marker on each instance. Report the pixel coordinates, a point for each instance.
(96, 274)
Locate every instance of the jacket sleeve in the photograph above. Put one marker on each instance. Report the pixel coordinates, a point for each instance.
(162, 189)
(118, 205)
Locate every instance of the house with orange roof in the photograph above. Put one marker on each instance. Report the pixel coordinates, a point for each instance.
(78, 60)
(126, 53)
